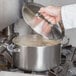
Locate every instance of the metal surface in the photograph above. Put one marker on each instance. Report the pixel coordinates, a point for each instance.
(72, 72)
(3, 62)
(37, 58)
(9, 12)
(57, 31)
(8, 31)
(6, 73)
(26, 1)
(67, 69)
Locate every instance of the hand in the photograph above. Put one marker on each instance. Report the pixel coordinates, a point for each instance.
(51, 13)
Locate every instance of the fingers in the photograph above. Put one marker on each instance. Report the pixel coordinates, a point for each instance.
(46, 28)
(48, 15)
(36, 21)
(47, 10)
(51, 13)
(42, 10)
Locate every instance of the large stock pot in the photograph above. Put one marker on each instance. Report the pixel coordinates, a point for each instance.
(35, 53)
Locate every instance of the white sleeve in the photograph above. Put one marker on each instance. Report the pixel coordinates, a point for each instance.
(68, 13)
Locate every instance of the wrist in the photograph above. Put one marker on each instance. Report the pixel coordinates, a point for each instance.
(59, 12)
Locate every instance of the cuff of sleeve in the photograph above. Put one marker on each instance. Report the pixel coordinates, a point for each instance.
(65, 13)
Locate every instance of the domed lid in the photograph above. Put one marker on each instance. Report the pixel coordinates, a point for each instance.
(54, 32)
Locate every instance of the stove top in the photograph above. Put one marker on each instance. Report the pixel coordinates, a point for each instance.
(68, 64)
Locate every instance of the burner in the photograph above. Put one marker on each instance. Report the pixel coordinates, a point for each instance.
(43, 73)
(63, 59)
(68, 59)
(3, 63)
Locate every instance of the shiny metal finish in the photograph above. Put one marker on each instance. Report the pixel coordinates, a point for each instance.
(8, 31)
(30, 11)
(6, 73)
(37, 58)
(9, 12)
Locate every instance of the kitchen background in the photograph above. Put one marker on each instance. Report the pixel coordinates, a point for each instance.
(8, 15)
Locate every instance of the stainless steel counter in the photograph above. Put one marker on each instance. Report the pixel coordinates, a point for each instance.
(5, 73)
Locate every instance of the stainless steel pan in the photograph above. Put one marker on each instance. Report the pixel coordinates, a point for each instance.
(35, 57)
